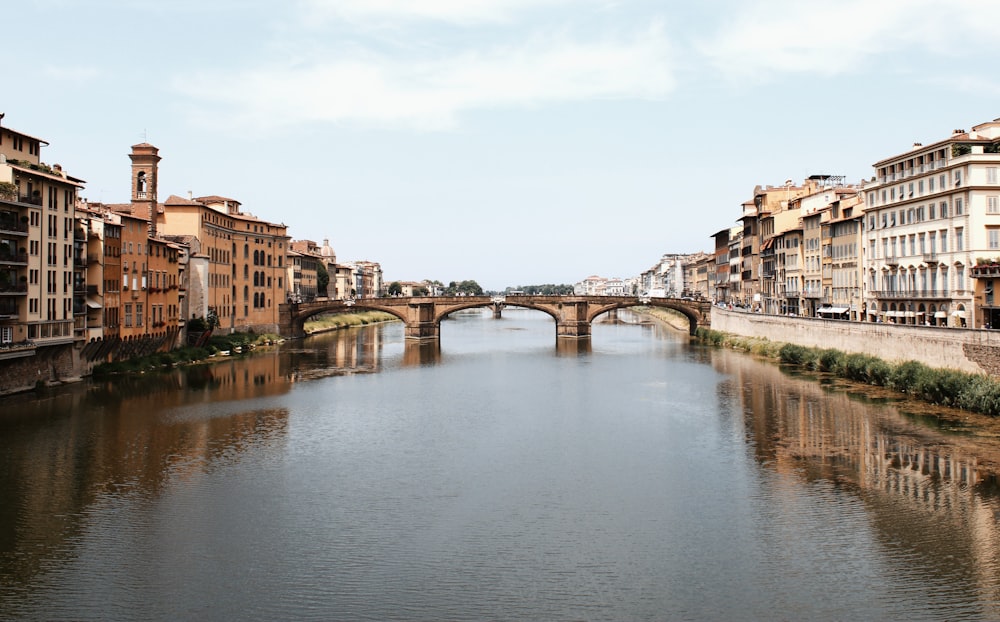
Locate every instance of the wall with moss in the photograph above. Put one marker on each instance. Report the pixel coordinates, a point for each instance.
(969, 350)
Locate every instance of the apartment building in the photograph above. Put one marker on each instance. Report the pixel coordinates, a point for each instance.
(36, 248)
(932, 217)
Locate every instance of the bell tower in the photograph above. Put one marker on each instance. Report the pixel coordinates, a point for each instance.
(144, 178)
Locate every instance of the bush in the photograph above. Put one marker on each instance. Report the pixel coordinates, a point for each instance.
(910, 377)
(794, 354)
(833, 361)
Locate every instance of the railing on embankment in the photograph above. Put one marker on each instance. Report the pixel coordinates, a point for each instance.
(969, 350)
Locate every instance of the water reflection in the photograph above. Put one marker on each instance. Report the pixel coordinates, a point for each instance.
(930, 496)
(73, 450)
(336, 353)
(418, 353)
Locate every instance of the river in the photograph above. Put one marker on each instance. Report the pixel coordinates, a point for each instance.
(634, 476)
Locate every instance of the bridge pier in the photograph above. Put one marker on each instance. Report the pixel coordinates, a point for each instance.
(421, 322)
(572, 321)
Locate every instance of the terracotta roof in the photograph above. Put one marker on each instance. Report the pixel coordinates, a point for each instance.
(176, 200)
(214, 198)
(27, 169)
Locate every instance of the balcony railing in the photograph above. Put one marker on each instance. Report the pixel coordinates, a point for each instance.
(931, 258)
(13, 227)
(985, 271)
(13, 289)
(912, 294)
(30, 200)
(14, 258)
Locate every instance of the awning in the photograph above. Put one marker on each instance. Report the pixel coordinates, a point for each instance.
(94, 303)
(909, 314)
(958, 313)
(940, 314)
(833, 310)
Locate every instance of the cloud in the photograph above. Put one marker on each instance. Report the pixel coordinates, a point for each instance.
(430, 93)
(774, 37)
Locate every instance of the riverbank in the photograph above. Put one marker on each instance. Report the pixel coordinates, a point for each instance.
(338, 321)
(973, 392)
(951, 388)
(221, 346)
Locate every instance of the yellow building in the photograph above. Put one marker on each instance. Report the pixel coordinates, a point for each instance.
(246, 276)
(37, 204)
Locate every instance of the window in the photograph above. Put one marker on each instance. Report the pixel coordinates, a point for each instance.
(6, 334)
(959, 239)
(994, 238)
(958, 178)
(991, 174)
(944, 209)
(958, 207)
(992, 205)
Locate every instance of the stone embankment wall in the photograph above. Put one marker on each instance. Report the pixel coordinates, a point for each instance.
(50, 365)
(969, 350)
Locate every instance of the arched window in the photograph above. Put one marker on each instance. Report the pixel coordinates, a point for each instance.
(246, 251)
(246, 293)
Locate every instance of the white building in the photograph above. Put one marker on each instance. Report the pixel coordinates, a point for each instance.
(931, 214)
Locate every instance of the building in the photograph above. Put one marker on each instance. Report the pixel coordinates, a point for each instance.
(932, 218)
(37, 236)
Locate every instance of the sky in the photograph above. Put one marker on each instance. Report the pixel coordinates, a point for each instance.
(510, 142)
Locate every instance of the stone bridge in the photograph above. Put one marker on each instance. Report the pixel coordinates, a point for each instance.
(422, 315)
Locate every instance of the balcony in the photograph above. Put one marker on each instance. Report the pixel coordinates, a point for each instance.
(17, 350)
(931, 258)
(985, 271)
(10, 226)
(916, 294)
(13, 289)
(13, 259)
(891, 260)
(30, 200)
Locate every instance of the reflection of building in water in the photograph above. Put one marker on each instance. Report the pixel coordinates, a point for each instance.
(923, 490)
(334, 353)
(73, 452)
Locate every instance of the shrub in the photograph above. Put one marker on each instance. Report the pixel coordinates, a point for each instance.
(910, 377)
(832, 361)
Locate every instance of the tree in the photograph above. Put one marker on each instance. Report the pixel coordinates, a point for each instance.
(322, 279)
(395, 288)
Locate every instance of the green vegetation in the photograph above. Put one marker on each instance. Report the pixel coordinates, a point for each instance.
(467, 288)
(187, 354)
(336, 321)
(322, 279)
(8, 191)
(945, 387)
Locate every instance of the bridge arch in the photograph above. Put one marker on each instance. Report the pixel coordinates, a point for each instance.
(422, 315)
